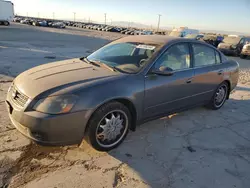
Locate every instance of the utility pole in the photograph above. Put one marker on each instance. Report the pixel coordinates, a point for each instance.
(89, 19)
(105, 16)
(110, 21)
(38, 15)
(27, 14)
(74, 16)
(159, 20)
(53, 15)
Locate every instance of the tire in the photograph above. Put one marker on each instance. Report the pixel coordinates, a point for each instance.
(218, 101)
(243, 56)
(6, 23)
(98, 121)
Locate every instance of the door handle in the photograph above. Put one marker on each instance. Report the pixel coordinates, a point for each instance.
(220, 72)
(189, 80)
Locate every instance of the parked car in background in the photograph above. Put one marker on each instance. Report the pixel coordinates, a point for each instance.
(194, 36)
(130, 32)
(16, 19)
(114, 29)
(124, 31)
(59, 25)
(183, 31)
(245, 51)
(24, 21)
(160, 33)
(212, 39)
(35, 23)
(127, 82)
(145, 32)
(233, 45)
(43, 23)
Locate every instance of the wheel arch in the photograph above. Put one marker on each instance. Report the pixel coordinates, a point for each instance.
(229, 87)
(129, 104)
(126, 102)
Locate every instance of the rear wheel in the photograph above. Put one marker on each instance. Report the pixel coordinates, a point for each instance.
(219, 97)
(108, 126)
(6, 23)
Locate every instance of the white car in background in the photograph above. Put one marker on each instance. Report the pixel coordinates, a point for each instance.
(183, 31)
(59, 25)
(245, 51)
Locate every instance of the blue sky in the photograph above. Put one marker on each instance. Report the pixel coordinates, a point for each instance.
(229, 15)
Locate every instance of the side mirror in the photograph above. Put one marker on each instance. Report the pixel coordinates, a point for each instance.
(164, 71)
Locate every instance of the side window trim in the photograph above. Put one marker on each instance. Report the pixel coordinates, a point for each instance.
(217, 54)
(191, 53)
(177, 43)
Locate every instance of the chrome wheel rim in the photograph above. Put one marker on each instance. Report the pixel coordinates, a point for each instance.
(220, 95)
(112, 128)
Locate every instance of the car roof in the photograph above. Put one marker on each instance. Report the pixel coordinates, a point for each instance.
(161, 40)
(150, 39)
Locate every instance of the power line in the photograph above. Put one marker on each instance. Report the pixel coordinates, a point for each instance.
(159, 20)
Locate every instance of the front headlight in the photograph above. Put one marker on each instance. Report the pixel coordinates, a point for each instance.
(234, 46)
(56, 104)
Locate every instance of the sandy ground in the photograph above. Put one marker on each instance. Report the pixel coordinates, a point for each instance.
(198, 148)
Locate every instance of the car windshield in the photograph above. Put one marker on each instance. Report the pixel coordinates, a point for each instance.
(129, 57)
(232, 40)
(191, 36)
(175, 34)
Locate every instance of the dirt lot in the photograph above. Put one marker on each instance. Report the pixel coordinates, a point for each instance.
(198, 148)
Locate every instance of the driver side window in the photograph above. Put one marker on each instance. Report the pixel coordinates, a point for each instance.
(177, 57)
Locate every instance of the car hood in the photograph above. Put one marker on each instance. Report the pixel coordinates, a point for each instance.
(58, 76)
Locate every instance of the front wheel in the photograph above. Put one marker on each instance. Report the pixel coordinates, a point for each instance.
(219, 97)
(108, 126)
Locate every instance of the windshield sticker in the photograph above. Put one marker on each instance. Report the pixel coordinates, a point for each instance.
(147, 47)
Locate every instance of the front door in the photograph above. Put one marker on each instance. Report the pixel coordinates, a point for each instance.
(167, 93)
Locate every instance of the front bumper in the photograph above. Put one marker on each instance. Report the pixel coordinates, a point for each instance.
(228, 51)
(45, 129)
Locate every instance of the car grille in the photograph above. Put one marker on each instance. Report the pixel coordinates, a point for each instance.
(17, 97)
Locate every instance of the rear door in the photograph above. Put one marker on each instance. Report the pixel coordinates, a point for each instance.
(208, 71)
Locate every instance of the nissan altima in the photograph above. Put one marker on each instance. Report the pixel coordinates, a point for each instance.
(125, 83)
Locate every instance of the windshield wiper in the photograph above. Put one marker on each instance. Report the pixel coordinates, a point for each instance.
(100, 64)
(91, 62)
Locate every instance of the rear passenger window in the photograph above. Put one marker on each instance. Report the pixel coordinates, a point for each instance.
(203, 55)
(217, 57)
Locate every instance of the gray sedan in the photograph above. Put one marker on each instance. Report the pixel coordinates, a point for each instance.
(127, 82)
